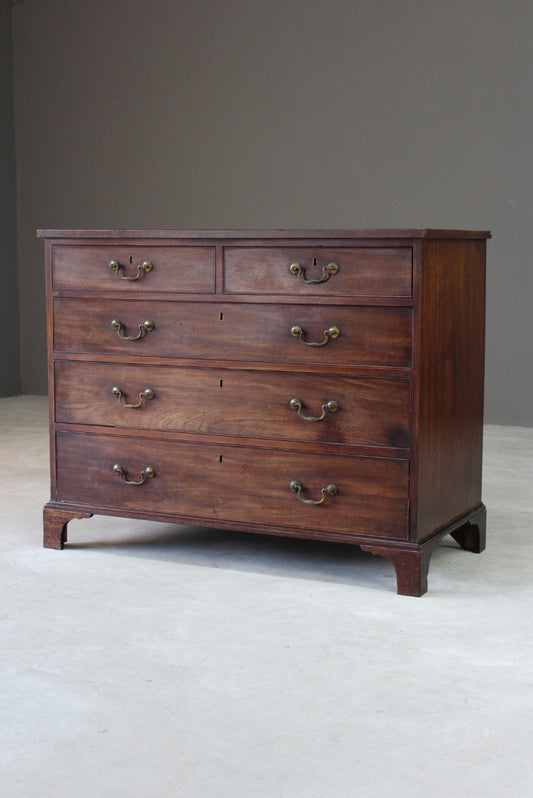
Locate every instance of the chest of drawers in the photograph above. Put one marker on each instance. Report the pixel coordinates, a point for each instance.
(322, 384)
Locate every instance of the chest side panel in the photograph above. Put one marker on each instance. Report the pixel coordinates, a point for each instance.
(451, 368)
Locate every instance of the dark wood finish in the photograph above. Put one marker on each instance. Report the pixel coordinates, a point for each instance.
(450, 377)
(184, 270)
(328, 236)
(404, 448)
(368, 335)
(471, 536)
(412, 563)
(371, 271)
(55, 525)
(411, 566)
(236, 483)
(372, 412)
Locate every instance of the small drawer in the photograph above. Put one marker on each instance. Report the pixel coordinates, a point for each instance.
(265, 404)
(317, 271)
(136, 268)
(328, 335)
(315, 493)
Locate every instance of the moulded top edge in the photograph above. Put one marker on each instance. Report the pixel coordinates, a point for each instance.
(264, 234)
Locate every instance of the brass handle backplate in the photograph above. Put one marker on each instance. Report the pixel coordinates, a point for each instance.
(146, 473)
(296, 487)
(298, 332)
(144, 396)
(144, 328)
(328, 407)
(327, 271)
(143, 268)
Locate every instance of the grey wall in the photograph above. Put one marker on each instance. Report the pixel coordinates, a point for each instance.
(283, 113)
(9, 319)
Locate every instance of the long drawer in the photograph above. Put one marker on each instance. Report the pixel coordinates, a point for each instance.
(333, 334)
(137, 269)
(357, 495)
(288, 406)
(318, 271)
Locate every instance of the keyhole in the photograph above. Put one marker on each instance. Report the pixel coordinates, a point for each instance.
(131, 258)
(221, 383)
(219, 458)
(314, 261)
(221, 316)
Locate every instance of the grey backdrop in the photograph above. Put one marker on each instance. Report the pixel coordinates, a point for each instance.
(282, 113)
(9, 325)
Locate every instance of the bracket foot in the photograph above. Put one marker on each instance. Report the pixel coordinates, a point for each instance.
(411, 567)
(472, 535)
(55, 526)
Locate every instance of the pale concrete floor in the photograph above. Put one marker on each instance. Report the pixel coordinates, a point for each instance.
(147, 661)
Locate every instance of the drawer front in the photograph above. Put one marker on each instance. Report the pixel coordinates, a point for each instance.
(274, 333)
(136, 269)
(236, 484)
(376, 271)
(287, 406)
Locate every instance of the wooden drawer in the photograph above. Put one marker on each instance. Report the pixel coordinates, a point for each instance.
(183, 269)
(372, 412)
(367, 335)
(229, 483)
(362, 271)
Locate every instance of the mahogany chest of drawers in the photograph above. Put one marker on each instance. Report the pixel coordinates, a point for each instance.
(324, 384)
